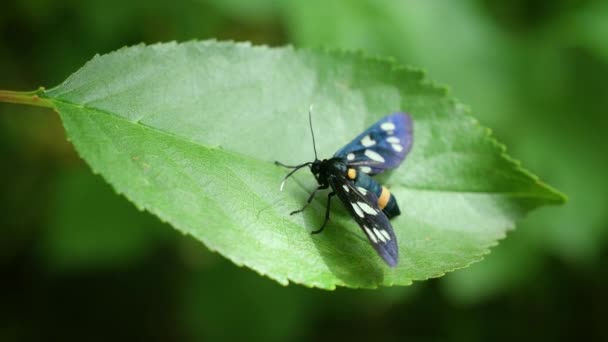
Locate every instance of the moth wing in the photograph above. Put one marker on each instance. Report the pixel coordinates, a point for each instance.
(362, 206)
(383, 145)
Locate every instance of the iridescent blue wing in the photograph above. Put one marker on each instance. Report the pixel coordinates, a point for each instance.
(362, 206)
(382, 146)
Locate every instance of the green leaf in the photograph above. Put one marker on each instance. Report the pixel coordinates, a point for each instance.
(189, 132)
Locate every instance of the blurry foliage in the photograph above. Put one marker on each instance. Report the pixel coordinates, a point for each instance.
(89, 228)
(534, 70)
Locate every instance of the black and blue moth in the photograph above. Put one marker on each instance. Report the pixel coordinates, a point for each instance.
(382, 146)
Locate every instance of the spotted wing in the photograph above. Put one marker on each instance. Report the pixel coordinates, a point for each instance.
(362, 206)
(383, 145)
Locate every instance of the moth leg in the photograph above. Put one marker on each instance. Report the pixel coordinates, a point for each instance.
(329, 196)
(312, 195)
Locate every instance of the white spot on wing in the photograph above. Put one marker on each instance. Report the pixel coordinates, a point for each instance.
(379, 235)
(363, 191)
(370, 234)
(397, 147)
(345, 187)
(388, 126)
(365, 169)
(374, 156)
(393, 140)
(367, 208)
(350, 156)
(357, 209)
(385, 233)
(367, 141)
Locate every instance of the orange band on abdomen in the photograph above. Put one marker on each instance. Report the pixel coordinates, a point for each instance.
(385, 196)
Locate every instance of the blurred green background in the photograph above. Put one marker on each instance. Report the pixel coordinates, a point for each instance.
(78, 262)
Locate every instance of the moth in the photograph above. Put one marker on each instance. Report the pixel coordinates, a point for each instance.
(349, 172)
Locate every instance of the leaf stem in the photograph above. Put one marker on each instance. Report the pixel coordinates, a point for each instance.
(32, 98)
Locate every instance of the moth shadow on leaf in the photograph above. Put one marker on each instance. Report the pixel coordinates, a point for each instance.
(342, 245)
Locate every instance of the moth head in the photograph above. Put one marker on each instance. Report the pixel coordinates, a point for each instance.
(316, 166)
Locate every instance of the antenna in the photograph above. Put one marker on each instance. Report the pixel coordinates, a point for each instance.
(314, 145)
(295, 168)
